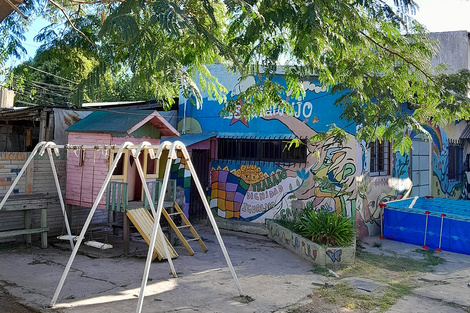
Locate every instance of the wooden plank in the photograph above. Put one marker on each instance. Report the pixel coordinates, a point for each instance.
(143, 221)
(11, 233)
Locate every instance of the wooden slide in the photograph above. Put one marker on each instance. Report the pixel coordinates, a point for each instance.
(143, 221)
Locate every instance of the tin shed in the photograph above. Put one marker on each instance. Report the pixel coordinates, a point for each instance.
(87, 169)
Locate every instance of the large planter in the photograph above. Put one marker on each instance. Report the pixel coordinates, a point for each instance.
(309, 250)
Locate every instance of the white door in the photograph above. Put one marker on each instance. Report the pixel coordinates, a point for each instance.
(420, 168)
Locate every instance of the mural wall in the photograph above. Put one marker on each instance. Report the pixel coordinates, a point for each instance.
(442, 139)
(335, 175)
(255, 191)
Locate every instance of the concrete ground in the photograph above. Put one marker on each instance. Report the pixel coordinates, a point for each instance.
(273, 279)
(448, 286)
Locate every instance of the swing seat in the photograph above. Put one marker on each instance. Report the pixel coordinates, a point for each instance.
(99, 245)
(67, 237)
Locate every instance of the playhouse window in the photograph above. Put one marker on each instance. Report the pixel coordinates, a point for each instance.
(379, 158)
(119, 170)
(455, 160)
(267, 150)
(151, 165)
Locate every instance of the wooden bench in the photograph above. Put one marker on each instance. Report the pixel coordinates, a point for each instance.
(26, 204)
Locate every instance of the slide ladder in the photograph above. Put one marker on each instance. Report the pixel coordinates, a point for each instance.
(176, 211)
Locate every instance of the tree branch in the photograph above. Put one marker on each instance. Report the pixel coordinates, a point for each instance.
(400, 56)
(71, 23)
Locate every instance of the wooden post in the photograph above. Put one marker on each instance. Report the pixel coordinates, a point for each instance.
(27, 225)
(43, 126)
(44, 225)
(50, 125)
(125, 232)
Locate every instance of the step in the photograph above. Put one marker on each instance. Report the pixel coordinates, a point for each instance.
(183, 226)
(194, 239)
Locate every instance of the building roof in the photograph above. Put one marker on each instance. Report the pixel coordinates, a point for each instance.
(466, 133)
(190, 139)
(122, 122)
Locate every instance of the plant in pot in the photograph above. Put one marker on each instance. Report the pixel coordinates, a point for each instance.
(326, 228)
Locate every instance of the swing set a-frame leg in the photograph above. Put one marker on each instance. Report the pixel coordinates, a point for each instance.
(209, 214)
(157, 216)
(88, 221)
(59, 192)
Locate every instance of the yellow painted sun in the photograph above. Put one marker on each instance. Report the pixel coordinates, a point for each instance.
(250, 173)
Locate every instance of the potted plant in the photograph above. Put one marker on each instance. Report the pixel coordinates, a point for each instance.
(320, 236)
(326, 228)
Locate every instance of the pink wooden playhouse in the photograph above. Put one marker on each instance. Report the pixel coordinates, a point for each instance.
(87, 169)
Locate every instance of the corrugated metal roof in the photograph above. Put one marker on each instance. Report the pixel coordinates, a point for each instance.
(254, 136)
(190, 139)
(466, 133)
(121, 122)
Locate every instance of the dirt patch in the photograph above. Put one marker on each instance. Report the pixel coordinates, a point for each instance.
(10, 304)
(319, 304)
(373, 283)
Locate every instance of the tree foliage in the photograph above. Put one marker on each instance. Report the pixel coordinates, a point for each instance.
(375, 56)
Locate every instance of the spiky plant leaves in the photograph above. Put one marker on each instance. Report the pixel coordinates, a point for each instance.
(326, 228)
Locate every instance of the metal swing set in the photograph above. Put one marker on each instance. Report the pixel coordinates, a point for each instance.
(155, 152)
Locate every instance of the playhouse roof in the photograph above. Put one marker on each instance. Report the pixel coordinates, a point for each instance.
(122, 122)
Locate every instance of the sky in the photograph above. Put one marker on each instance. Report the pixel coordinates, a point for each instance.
(444, 15)
(436, 15)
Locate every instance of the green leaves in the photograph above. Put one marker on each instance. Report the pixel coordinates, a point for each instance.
(326, 228)
(376, 58)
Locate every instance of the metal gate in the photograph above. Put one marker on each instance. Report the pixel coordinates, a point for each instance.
(200, 159)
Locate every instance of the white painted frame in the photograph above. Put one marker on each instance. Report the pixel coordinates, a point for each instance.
(155, 152)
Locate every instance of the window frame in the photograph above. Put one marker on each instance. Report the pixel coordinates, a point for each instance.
(380, 158)
(264, 150)
(455, 166)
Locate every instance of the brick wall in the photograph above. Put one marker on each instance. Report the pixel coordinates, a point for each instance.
(38, 178)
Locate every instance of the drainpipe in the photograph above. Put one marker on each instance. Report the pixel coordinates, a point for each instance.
(184, 118)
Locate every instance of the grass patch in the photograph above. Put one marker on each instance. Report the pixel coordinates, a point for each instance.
(398, 273)
(320, 270)
(369, 263)
(343, 295)
(246, 299)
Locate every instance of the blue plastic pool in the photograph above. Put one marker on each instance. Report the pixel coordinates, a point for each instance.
(405, 220)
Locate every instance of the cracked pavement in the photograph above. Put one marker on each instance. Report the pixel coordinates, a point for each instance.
(273, 278)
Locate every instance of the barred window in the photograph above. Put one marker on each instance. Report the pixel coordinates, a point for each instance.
(268, 150)
(379, 158)
(455, 168)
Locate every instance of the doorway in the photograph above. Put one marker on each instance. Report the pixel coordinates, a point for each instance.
(420, 168)
(201, 160)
